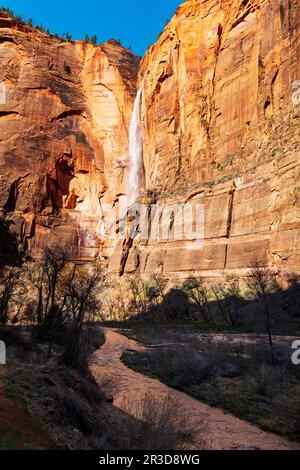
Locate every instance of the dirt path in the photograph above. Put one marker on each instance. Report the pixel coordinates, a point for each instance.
(17, 427)
(226, 431)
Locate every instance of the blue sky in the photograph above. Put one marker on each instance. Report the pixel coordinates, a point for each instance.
(135, 22)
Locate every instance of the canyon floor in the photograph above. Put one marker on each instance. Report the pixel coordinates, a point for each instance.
(224, 431)
(45, 405)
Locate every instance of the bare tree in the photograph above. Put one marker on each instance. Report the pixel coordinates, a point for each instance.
(111, 309)
(261, 283)
(163, 424)
(11, 248)
(118, 307)
(236, 300)
(293, 279)
(134, 287)
(46, 276)
(229, 302)
(121, 306)
(66, 297)
(55, 260)
(159, 286)
(198, 293)
(146, 291)
(82, 288)
(36, 273)
(8, 282)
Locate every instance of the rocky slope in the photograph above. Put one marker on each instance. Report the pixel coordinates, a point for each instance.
(221, 94)
(64, 118)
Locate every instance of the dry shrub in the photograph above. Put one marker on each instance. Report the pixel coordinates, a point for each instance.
(267, 379)
(188, 368)
(288, 414)
(75, 412)
(151, 424)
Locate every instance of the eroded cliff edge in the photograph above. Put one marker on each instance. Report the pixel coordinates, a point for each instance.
(64, 119)
(220, 112)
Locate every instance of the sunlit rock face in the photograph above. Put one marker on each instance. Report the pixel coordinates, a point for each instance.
(65, 110)
(217, 85)
(220, 119)
(220, 122)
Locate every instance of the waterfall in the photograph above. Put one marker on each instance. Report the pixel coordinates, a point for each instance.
(136, 169)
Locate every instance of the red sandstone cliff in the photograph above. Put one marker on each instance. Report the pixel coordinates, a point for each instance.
(220, 112)
(64, 119)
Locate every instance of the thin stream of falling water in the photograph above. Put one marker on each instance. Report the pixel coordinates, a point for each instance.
(136, 175)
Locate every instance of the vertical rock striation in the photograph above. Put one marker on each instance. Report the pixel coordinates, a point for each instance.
(64, 120)
(221, 94)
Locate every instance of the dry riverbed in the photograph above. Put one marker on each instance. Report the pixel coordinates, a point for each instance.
(223, 431)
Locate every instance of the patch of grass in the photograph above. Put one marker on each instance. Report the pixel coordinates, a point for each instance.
(6, 442)
(229, 377)
(14, 442)
(40, 424)
(12, 392)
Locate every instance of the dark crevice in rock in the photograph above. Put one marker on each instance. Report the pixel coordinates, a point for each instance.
(243, 16)
(230, 212)
(9, 113)
(229, 222)
(281, 256)
(125, 253)
(275, 77)
(166, 74)
(210, 101)
(137, 260)
(63, 78)
(36, 88)
(7, 39)
(66, 114)
(59, 187)
(226, 256)
(104, 86)
(11, 202)
(9, 244)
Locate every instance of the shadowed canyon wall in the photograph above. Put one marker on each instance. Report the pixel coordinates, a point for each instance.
(220, 117)
(64, 121)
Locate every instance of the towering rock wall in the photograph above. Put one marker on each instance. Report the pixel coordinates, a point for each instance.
(220, 116)
(64, 118)
(221, 94)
